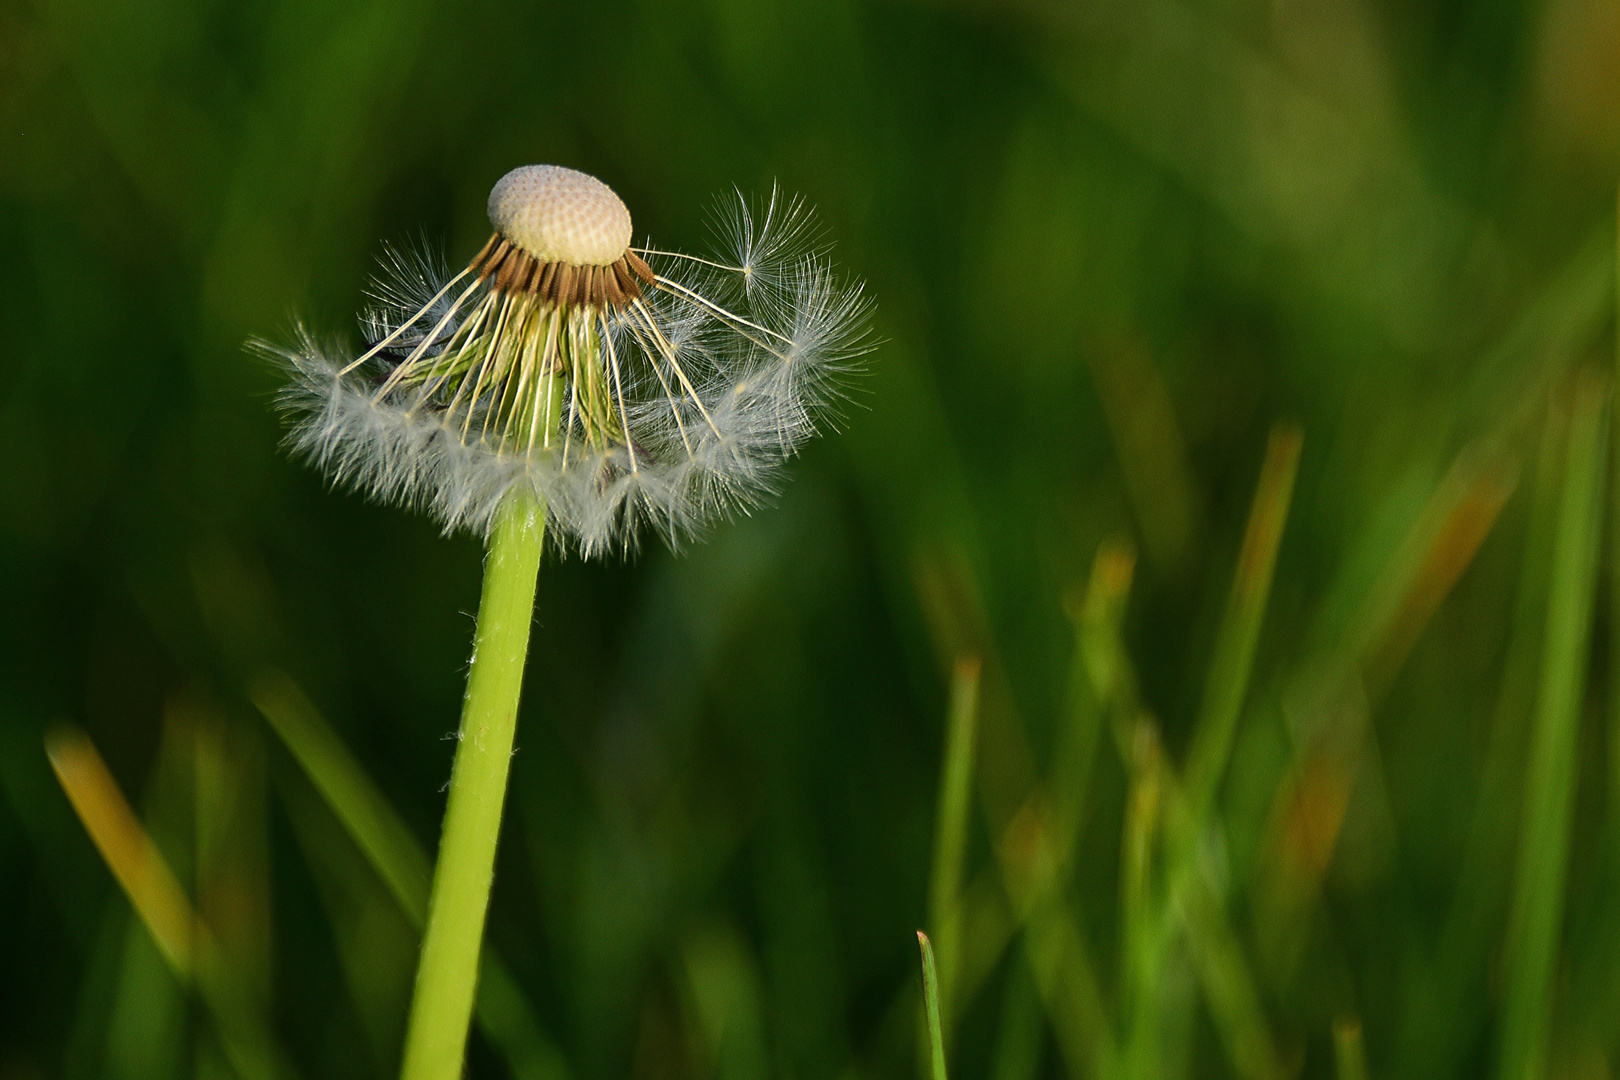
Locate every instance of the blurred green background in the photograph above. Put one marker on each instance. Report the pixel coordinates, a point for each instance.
(1112, 244)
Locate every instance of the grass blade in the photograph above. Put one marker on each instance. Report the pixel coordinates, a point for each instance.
(951, 824)
(1016, 813)
(1020, 1034)
(1075, 752)
(936, 1039)
(1223, 695)
(1538, 900)
(1349, 1055)
(1614, 732)
(155, 893)
(1228, 987)
(1235, 642)
(1140, 939)
(1447, 1013)
(1336, 692)
(231, 845)
(1151, 450)
(954, 612)
(1060, 965)
(140, 868)
(1223, 973)
(388, 845)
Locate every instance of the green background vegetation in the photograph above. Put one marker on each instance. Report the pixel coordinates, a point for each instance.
(1114, 245)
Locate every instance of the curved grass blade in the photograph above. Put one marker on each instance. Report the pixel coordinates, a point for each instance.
(162, 905)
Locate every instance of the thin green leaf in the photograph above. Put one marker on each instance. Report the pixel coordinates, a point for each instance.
(936, 1038)
(388, 845)
(1233, 661)
(1538, 901)
(1349, 1055)
(951, 824)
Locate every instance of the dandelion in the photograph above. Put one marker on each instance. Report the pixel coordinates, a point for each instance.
(620, 387)
(563, 379)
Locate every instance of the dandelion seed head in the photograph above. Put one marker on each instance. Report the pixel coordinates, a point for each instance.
(560, 215)
(631, 390)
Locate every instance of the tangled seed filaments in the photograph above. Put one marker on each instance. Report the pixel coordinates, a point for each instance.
(628, 388)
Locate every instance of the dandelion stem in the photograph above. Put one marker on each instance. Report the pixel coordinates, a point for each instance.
(447, 977)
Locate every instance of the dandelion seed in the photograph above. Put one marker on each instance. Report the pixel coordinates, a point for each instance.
(622, 387)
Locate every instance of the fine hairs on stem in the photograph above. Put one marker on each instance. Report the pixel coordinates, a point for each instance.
(447, 976)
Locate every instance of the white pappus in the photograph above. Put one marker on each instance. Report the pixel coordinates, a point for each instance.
(624, 387)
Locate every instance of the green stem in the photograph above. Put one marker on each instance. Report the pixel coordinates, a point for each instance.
(447, 977)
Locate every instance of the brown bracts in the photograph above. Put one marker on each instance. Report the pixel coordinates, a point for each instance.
(510, 269)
